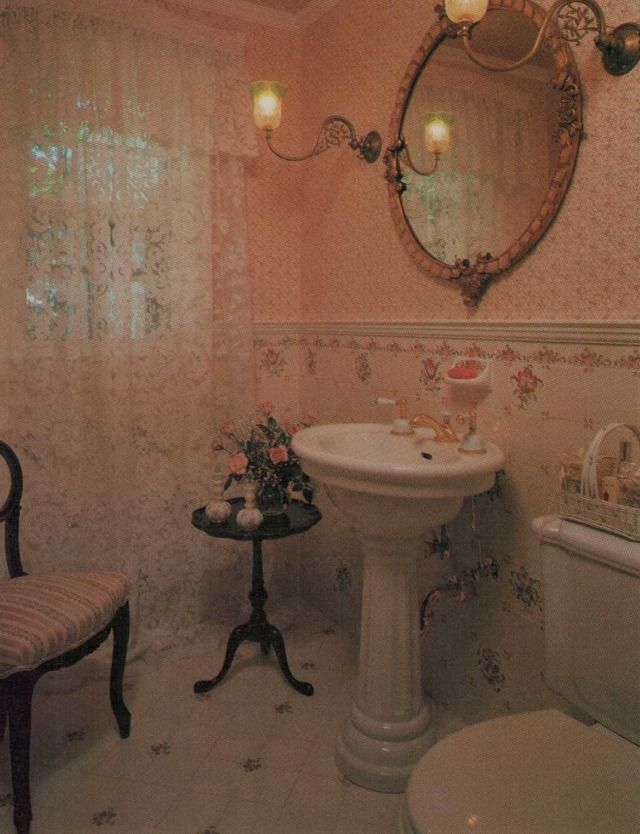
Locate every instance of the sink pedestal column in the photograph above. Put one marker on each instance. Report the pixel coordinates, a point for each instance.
(389, 727)
(392, 489)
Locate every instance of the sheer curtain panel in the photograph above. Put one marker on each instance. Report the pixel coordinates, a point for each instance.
(125, 329)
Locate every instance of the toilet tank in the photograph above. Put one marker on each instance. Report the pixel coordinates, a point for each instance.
(592, 621)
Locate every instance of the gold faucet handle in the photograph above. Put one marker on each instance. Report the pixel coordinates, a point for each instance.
(401, 424)
(401, 403)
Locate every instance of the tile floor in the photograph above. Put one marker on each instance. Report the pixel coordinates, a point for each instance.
(251, 757)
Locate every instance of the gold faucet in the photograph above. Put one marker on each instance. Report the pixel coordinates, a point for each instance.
(444, 432)
(402, 425)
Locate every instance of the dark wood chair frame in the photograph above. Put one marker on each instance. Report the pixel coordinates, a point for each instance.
(16, 691)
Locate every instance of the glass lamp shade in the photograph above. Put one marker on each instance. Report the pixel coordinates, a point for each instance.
(465, 11)
(437, 132)
(267, 103)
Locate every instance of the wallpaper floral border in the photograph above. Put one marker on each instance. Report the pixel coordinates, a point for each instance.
(273, 355)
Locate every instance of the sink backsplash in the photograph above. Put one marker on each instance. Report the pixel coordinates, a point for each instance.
(553, 386)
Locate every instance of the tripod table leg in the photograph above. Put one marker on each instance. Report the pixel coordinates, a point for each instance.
(278, 646)
(235, 638)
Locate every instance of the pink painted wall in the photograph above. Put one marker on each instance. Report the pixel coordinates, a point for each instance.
(322, 245)
(275, 206)
(274, 190)
(353, 265)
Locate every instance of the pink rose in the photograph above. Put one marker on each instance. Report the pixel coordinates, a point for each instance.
(227, 427)
(238, 463)
(265, 407)
(278, 454)
(293, 428)
(309, 419)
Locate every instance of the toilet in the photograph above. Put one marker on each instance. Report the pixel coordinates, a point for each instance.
(545, 772)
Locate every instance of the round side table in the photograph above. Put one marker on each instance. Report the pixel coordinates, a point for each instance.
(298, 517)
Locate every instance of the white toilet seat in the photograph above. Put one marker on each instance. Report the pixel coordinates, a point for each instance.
(534, 773)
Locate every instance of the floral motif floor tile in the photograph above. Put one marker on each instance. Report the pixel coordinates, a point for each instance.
(249, 765)
(107, 817)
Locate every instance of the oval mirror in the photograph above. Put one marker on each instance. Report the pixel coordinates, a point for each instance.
(482, 159)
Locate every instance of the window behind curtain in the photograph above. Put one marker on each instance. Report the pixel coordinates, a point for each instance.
(97, 246)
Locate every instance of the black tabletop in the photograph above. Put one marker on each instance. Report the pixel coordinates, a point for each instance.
(299, 517)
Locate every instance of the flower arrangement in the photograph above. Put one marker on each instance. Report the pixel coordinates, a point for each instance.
(262, 452)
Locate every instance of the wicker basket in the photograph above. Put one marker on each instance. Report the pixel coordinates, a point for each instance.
(587, 507)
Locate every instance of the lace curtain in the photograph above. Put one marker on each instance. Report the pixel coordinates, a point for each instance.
(125, 329)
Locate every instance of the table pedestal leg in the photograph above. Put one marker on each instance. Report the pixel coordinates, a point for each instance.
(258, 630)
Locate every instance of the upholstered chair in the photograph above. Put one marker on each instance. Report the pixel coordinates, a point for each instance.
(48, 621)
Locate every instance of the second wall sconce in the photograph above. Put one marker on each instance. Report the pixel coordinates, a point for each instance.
(267, 112)
(437, 140)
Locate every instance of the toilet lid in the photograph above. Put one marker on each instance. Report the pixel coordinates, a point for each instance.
(526, 774)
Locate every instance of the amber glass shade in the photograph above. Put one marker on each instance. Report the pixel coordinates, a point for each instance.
(267, 103)
(465, 11)
(437, 132)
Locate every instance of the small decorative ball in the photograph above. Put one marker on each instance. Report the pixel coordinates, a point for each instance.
(249, 518)
(218, 511)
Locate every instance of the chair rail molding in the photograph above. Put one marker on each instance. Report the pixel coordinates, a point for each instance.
(625, 333)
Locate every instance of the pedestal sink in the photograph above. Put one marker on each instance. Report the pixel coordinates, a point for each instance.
(392, 489)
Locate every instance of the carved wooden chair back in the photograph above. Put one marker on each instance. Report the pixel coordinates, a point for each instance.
(10, 512)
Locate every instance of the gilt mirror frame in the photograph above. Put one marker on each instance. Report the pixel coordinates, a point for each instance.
(474, 278)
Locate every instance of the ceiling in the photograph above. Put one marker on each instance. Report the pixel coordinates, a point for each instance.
(295, 15)
(291, 6)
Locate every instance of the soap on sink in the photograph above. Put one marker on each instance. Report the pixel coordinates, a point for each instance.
(462, 372)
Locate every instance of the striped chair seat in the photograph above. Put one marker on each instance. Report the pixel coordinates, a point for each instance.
(49, 621)
(46, 615)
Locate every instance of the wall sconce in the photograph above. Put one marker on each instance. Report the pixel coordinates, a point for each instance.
(437, 134)
(267, 112)
(620, 48)
(437, 139)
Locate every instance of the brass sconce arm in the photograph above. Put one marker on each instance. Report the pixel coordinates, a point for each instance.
(437, 140)
(620, 48)
(395, 158)
(334, 131)
(267, 111)
(402, 150)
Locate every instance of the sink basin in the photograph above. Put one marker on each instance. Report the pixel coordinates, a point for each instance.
(367, 457)
(392, 489)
